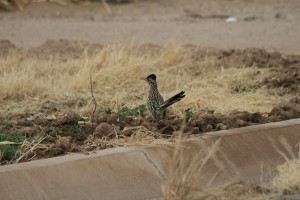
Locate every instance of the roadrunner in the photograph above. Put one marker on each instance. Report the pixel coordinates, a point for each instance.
(155, 103)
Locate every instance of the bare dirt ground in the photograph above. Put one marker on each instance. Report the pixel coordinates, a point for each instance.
(235, 74)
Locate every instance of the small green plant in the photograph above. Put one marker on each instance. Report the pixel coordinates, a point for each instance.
(5, 123)
(125, 111)
(240, 89)
(78, 129)
(209, 111)
(188, 114)
(53, 132)
(10, 151)
(12, 137)
(108, 110)
(139, 110)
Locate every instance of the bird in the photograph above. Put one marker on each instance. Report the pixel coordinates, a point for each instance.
(155, 102)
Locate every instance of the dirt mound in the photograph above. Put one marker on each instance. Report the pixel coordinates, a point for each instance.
(286, 79)
(286, 68)
(70, 133)
(248, 57)
(255, 57)
(286, 111)
(203, 122)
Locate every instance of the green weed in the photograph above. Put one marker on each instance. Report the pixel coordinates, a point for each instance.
(108, 110)
(240, 89)
(139, 110)
(12, 137)
(188, 114)
(125, 111)
(10, 151)
(78, 129)
(209, 111)
(53, 132)
(5, 123)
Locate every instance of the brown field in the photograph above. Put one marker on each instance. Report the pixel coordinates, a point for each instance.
(46, 95)
(43, 92)
(66, 96)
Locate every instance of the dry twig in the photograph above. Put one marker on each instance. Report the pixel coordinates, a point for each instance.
(93, 99)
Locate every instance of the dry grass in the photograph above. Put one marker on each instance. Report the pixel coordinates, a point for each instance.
(140, 136)
(288, 179)
(186, 168)
(28, 149)
(26, 83)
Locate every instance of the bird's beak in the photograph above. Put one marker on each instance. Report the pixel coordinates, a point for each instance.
(143, 78)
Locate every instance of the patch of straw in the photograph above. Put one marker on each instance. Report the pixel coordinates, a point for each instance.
(184, 171)
(288, 179)
(29, 147)
(140, 136)
(116, 72)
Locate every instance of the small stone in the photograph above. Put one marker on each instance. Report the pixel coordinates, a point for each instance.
(195, 130)
(240, 123)
(128, 131)
(55, 151)
(221, 126)
(209, 127)
(168, 130)
(104, 129)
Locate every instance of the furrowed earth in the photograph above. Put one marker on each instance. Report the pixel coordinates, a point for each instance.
(55, 128)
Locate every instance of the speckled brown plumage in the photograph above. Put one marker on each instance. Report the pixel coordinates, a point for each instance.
(155, 102)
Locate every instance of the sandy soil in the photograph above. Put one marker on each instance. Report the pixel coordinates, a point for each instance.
(261, 24)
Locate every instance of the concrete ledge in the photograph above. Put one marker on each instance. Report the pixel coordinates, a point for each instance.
(140, 172)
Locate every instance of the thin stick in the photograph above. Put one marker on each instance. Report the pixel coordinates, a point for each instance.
(93, 99)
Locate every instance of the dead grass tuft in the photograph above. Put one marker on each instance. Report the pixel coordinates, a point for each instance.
(184, 171)
(28, 149)
(140, 136)
(287, 181)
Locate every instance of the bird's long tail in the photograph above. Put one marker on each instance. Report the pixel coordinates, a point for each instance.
(172, 100)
